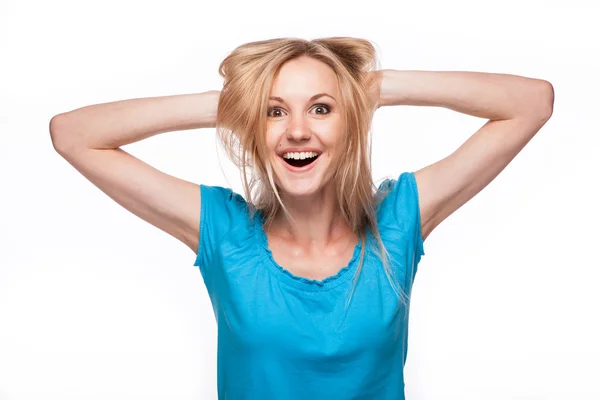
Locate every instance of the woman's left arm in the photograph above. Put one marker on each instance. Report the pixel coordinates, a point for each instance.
(516, 107)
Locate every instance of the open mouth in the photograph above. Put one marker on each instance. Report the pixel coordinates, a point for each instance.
(299, 163)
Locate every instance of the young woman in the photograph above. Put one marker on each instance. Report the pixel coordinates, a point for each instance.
(310, 273)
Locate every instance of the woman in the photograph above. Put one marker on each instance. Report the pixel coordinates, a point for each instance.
(310, 274)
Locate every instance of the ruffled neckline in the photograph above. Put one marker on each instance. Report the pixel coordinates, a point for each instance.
(298, 281)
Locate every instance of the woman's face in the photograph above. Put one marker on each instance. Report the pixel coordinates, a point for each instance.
(305, 126)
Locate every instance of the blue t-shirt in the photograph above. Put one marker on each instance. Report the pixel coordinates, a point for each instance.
(281, 336)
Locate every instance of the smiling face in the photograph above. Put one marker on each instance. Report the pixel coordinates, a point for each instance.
(305, 126)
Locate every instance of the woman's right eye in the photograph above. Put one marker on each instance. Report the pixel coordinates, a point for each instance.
(273, 109)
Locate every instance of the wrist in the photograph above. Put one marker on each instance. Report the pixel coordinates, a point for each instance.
(374, 87)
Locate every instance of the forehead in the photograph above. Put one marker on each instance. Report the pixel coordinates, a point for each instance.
(302, 78)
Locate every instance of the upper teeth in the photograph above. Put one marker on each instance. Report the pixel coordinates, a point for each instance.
(300, 155)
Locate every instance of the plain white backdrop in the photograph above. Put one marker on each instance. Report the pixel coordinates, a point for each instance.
(95, 303)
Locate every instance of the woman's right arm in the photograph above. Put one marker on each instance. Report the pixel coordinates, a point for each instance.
(89, 138)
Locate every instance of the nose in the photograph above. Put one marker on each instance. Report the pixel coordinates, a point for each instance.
(298, 129)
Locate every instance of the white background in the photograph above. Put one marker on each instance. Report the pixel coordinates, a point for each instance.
(97, 304)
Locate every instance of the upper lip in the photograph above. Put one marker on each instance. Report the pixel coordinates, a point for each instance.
(298, 150)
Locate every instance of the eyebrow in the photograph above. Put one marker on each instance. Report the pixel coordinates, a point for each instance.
(316, 96)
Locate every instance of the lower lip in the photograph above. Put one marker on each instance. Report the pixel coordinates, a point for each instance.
(300, 169)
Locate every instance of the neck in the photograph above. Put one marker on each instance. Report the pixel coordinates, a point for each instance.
(313, 227)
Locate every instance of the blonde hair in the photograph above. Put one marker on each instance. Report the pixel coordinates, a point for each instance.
(249, 72)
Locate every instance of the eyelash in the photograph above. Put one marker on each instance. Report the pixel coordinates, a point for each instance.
(325, 106)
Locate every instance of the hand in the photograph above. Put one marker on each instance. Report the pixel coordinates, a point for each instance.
(374, 86)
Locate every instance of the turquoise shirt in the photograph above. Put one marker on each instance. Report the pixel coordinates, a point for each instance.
(285, 337)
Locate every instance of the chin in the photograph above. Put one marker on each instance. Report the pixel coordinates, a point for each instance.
(300, 190)
(299, 186)
(307, 182)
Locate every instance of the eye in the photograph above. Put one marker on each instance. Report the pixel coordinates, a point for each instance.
(322, 107)
(272, 110)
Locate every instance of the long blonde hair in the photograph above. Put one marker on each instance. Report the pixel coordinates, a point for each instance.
(248, 72)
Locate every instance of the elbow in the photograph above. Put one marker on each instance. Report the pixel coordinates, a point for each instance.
(537, 102)
(544, 100)
(59, 132)
(53, 126)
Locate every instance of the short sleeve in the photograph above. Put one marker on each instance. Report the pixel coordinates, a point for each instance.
(411, 195)
(402, 210)
(221, 210)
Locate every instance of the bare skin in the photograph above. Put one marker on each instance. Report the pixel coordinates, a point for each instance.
(517, 108)
(319, 243)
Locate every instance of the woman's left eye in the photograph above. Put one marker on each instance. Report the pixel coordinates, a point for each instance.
(323, 107)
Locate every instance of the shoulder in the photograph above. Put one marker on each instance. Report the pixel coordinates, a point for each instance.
(223, 212)
(398, 203)
(220, 193)
(220, 201)
(400, 192)
(222, 209)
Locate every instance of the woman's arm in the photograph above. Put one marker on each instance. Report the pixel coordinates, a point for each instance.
(480, 94)
(517, 107)
(89, 139)
(115, 124)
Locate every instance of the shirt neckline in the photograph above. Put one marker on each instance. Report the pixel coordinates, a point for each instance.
(287, 277)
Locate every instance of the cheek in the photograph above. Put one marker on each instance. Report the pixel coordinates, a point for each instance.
(269, 138)
(333, 140)
(333, 132)
(272, 139)
(338, 149)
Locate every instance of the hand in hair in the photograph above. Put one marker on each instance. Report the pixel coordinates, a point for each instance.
(375, 81)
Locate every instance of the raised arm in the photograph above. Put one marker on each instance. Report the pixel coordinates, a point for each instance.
(89, 139)
(516, 108)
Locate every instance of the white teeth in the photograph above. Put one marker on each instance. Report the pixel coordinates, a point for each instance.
(300, 155)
